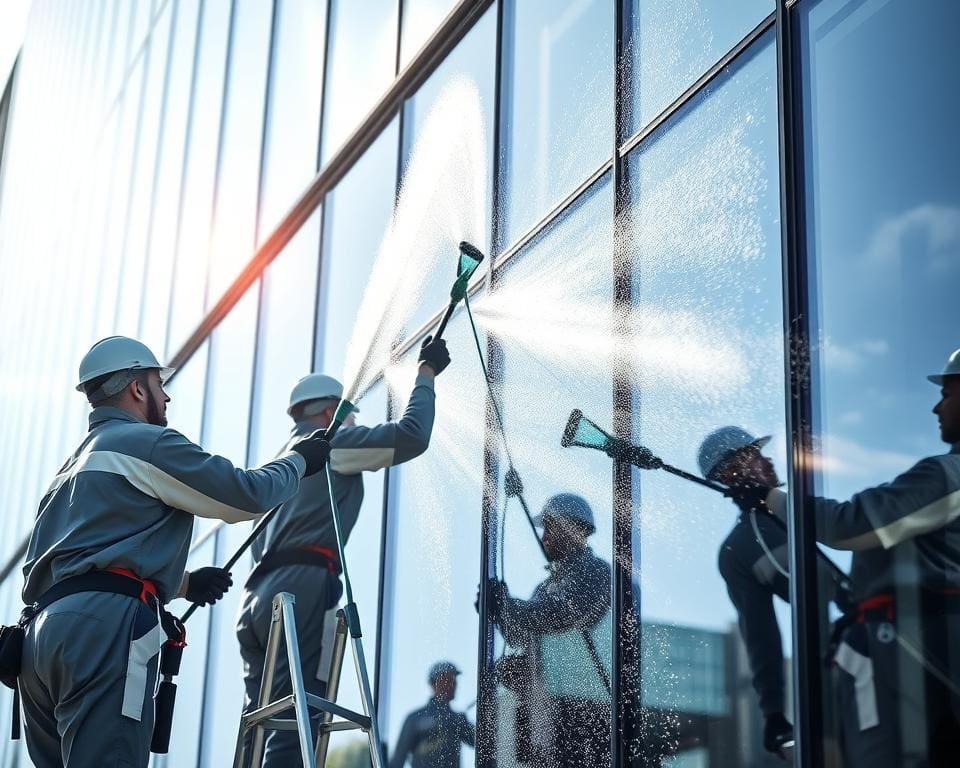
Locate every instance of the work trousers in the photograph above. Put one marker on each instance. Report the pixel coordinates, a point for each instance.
(900, 692)
(752, 580)
(316, 592)
(87, 682)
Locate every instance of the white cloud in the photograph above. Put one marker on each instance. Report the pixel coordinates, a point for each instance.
(937, 226)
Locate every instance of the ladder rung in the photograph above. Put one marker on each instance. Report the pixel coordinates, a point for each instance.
(340, 725)
(264, 713)
(325, 705)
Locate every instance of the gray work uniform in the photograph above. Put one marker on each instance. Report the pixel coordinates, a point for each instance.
(306, 522)
(125, 499)
(901, 660)
(431, 737)
(564, 705)
(754, 571)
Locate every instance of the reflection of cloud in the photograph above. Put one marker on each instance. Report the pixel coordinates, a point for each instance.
(851, 358)
(936, 227)
(851, 418)
(847, 458)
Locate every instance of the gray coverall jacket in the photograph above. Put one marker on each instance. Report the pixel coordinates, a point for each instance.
(306, 521)
(431, 736)
(901, 689)
(126, 498)
(565, 698)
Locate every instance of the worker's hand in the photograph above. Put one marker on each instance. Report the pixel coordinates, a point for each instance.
(315, 449)
(434, 354)
(207, 585)
(750, 497)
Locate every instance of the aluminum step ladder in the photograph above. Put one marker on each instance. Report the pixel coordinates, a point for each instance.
(333, 717)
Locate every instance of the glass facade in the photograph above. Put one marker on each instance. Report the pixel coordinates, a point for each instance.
(717, 230)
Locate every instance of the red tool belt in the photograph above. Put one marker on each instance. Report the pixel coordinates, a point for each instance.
(882, 606)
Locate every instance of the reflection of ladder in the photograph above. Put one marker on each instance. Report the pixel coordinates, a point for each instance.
(332, 716)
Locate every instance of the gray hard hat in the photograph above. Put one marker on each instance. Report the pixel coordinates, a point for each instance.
(568, 506)
(114, 354)
(720, 445)
(442, 668)
(315, 386)
(952, 368)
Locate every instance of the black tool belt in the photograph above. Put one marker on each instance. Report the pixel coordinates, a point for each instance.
(11, 638)
(295, 556)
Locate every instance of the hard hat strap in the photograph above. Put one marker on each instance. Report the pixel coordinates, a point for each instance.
(113, 385)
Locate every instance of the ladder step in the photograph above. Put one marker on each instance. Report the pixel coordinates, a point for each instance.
(286, 724)
(325, 705)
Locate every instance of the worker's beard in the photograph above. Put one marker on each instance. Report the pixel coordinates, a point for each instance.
(154, 416)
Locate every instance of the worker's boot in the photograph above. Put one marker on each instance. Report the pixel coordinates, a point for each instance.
(778, 735)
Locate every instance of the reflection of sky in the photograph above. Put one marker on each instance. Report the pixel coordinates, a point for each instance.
(674, 43)
(707, 251)
(884, 222)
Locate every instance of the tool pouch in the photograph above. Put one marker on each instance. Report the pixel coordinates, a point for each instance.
(11, 651)
(170, 657)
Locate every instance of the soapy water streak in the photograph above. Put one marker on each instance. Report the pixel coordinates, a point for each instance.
(441, 202)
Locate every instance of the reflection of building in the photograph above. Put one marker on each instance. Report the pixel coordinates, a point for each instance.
(216, 178)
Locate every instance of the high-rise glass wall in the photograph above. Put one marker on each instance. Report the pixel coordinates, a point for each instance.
(721, 245)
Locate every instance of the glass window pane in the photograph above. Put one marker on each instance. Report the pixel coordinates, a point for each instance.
(552, 317)
(140, 195)
(293, 123)
(883, 231)
(192, 254)
(238, 178)
(164, 220)
(420, 20)
(557, 107)
(357, 213)
(448, 157)
(285, 339)
(705, 343)
(361, 65)
(434, 543)
(669, 45)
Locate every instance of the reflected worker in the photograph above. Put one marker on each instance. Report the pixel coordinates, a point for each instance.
(108, 551)
(297, 552)
(753, 561)
(431, 736)
(900, 653)
(561, 679)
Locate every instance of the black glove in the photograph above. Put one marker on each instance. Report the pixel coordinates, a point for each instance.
(315, 450)
(623, 450)
(207, 585)
(434, 354)
(750, 497)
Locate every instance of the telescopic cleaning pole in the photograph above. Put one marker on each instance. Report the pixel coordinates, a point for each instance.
(584, 433)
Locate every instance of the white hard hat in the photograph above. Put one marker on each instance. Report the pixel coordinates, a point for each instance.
(118, 353)
(568, 506)
(315, 386)
(952, 368)
(721, 443)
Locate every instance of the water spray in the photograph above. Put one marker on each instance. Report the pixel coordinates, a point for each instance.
(584, 433)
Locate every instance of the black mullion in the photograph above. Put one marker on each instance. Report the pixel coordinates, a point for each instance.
(626, 639)
(485, 754)
(799, 409)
